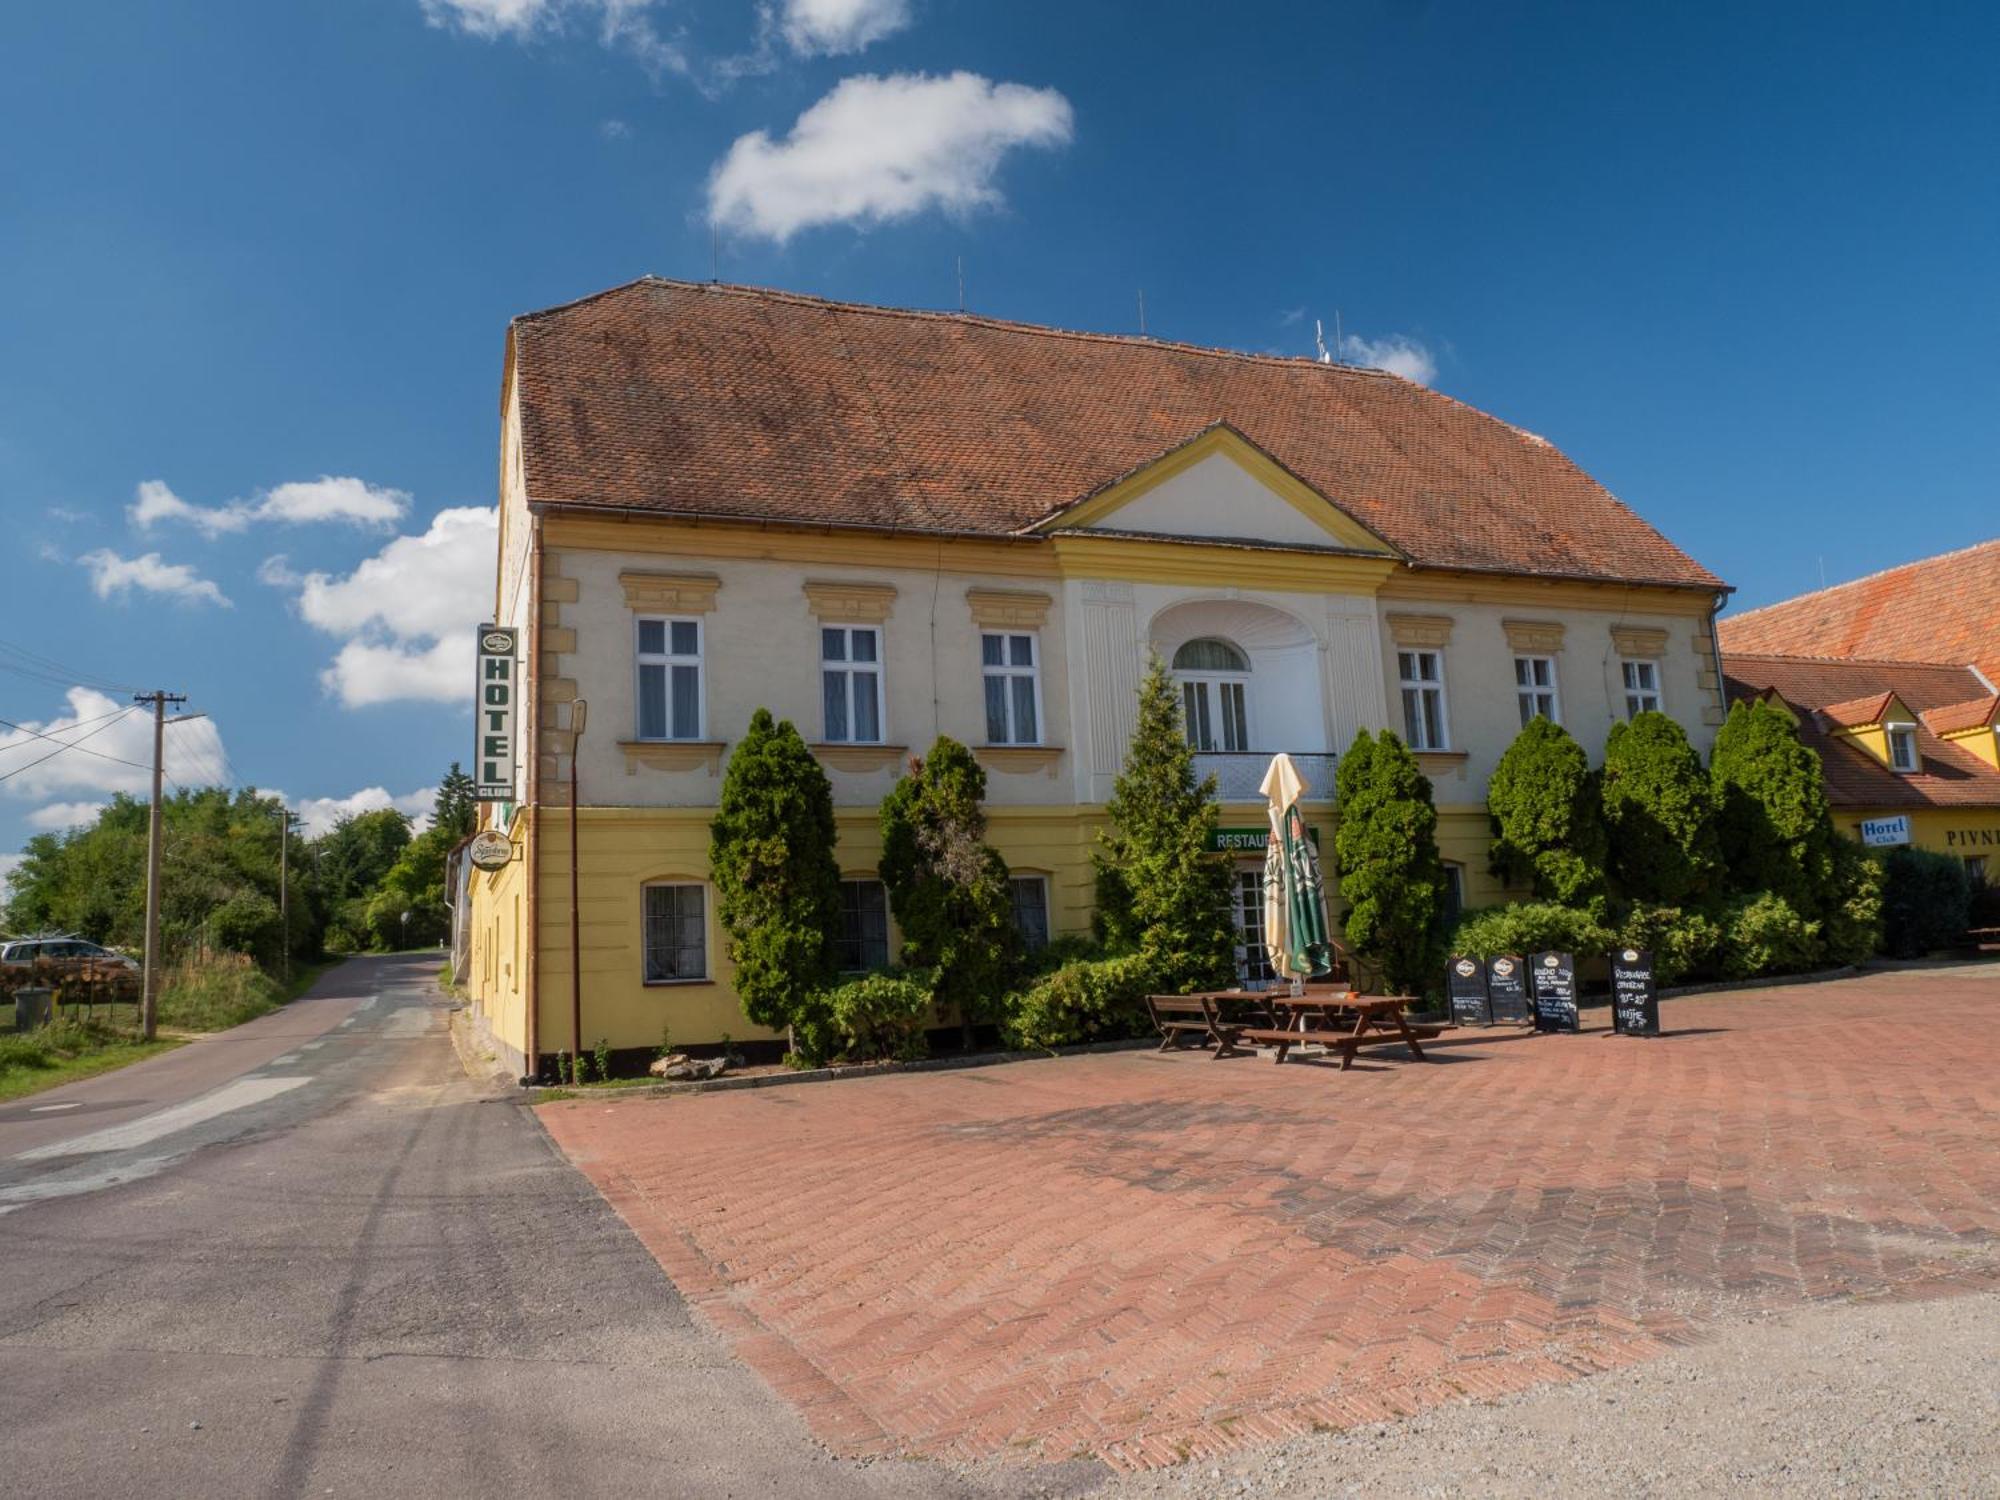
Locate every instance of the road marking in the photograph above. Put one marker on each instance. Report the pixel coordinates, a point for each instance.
(231, 1096)
(69, 1186)
(288, 1058)
(49, 1109)
(313, 1046)
(410, 1021)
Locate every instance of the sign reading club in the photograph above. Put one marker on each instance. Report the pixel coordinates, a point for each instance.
(496, 712)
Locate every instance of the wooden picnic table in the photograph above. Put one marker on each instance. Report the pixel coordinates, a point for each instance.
(1340, 1021)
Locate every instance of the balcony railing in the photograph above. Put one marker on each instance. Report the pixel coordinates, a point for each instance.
(1237, 773)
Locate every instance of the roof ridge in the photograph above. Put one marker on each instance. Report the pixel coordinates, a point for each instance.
(1846, 661)
(1835, 588)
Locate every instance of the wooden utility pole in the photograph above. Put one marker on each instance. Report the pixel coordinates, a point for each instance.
(149, 999)
(285, 891)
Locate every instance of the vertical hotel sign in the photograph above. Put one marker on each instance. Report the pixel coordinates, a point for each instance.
(497, 712)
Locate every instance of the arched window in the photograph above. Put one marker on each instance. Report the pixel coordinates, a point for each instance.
(1215, 690)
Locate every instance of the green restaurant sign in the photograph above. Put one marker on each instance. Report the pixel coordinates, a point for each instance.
(1248, 840)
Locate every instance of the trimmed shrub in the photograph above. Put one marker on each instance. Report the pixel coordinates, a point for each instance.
(1530, 927)
(874, 1016)
(1385, 846)
(1774, 827)
(1659, 810)
(1548, 826)
(248, 922)
(1926, 901)
(1684, 943)
(1852, 930)
(1161, 888)
(947, 886)
(776, 883)
(1086, 1000)
(1765, 934)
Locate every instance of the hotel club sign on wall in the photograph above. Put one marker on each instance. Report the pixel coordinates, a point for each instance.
(496, 712)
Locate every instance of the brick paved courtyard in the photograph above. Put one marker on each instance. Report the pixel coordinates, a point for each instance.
(1151, 1257)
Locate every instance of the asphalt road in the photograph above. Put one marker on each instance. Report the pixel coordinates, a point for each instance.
(315, 1257)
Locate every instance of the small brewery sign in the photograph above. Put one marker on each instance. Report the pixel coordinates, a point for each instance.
(495, 713)
(1553, 978)
(490, 849)
(1507, 989)
(1465, 983)
(1635, 997)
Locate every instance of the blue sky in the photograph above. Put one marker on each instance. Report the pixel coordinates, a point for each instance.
(259, 258)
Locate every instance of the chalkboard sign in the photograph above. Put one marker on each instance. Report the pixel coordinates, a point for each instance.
(1635, 998)
(1552, 976)
(1465, 982)
(1507, 989)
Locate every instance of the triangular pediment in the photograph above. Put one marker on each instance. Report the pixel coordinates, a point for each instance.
(1218, 485)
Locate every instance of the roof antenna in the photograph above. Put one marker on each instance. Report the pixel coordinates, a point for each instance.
(1822, 570)
(961, 286)
(1142, 312)
(712, 278)
(1319, 343)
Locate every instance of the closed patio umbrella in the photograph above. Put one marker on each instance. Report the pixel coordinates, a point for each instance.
(1295, 933)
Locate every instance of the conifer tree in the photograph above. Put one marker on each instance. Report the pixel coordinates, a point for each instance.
(1659, 811)
(1548, 826)
(1773, 820)
(947, 887)
(1162, 888)
(771, 856)
(456, 809)
(1390, 873)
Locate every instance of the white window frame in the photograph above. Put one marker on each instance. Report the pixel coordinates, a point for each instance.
(1903, 736)
(1031, 877)
(1628, 668)
(1213, 688)
(666, 661)
(1246, 915)
(1009, 673)
(645, 942)
(1409, 680)
(1528, 695)
(846, 667)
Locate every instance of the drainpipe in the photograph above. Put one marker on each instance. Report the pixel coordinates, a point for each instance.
(1715, 646)
(579, 711)
(532, 944)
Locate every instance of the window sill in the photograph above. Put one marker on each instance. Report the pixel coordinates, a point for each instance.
(673, 984)
(846, 755)
(1440, 760)
(1020, 758)
(673, 755)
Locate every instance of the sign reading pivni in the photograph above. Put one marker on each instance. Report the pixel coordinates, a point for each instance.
(1465, 983)
(1507, 989)
(1882, 831)
(1635, 997)
(1552, 976)
(495, 713)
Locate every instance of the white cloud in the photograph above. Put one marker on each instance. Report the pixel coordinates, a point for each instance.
(67, 516)
(614, 130)
(878, 149)
(490, 18)
(830, 27)
(319, 814)
(111, 574)
(9, 863)
(60, 815)
(331, 497)
(407, 615)
(622, 25)
(1397, 353)
(109, 756)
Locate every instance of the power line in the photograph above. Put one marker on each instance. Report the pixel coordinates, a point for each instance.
(62, 745)
(40, 665)
(41, 735)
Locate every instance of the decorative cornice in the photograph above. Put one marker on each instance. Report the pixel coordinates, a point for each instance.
(846, 757)
(672, 755)
(863, 603)
(1019, 759)
(1639, 640)
(1419, 630)
(670, 593)
(1008, 609)
(1535, 637)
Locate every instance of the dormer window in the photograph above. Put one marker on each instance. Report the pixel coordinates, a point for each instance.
(1902, 747)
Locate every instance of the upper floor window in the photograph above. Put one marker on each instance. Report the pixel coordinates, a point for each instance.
(864, 926)
(1215, 692)
(1903, 747)
(1535, 688)
(1031, 910)
(1013, 689)
(676, 933)
(1421, 676)
(850, 675)
(669, 658)
(1642, 687)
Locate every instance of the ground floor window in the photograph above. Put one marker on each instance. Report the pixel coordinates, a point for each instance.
(1031, 910)
(1253, 961)
(1454, 895)
(864, 926)
(1975, 870)
(676, 933)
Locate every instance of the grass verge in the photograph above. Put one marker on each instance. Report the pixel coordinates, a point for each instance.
(65, 1052)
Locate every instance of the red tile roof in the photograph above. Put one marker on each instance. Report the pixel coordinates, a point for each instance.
(1858, 711)
(737, 402)
(1976, 713)
(1816, 687)
(1943, 609)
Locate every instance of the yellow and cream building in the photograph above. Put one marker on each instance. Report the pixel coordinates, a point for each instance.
(887, 526)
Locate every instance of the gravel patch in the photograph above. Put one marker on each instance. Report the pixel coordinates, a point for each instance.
(1899, 1398)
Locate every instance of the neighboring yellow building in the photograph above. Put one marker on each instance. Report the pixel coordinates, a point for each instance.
(888, 525)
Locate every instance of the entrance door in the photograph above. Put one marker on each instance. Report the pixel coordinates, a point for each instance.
(1246, 907)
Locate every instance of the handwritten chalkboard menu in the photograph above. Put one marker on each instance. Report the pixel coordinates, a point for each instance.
(1465, 982)
(1552, 977)
(1635, 997)
(1507, 989)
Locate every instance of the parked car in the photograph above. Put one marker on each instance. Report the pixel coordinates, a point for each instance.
(68, 951)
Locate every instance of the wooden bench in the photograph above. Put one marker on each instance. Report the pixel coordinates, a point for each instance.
(1341, 1022)
(1197, 1018)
